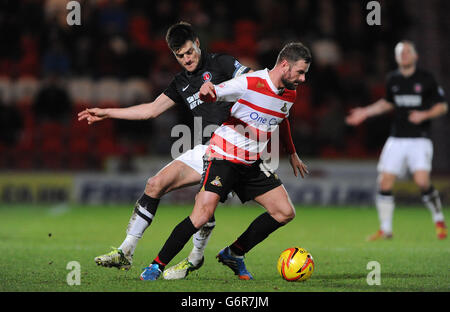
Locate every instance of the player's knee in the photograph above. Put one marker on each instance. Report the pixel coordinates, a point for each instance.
(385, 184)
(285, 215)
(290, 215)
(423, 184)
(202, 216)
(155, 186)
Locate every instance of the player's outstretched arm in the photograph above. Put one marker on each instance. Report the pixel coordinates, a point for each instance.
(360, 114)
(136, 112)
(436, 110)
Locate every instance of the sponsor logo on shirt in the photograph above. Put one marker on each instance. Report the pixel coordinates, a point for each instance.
(263, 120)
(408, 100)
(194, 101)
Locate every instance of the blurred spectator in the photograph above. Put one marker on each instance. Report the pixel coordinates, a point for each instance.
(125, 39)
(331, 123)
(52, 101)
(56, 60)
(11, 124)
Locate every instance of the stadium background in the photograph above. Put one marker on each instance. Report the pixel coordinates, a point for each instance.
(117, 57)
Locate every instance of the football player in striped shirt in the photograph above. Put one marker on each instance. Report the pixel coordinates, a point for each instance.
(415, 97)
(262, 100)
(198, 67)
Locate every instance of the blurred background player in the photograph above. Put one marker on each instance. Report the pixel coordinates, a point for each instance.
(199, 66)
(416, 98)
(234, 156)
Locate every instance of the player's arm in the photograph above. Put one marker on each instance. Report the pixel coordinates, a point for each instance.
(228, 91)
(440, 107)
(436, 110)
(136, 112)
(286, 139)
(360, 114)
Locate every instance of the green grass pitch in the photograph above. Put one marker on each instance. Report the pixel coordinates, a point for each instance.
(37, 243)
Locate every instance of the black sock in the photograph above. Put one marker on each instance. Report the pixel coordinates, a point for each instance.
(176, 241)
(258, 230)
(429, 191)
(149, 203)
(385, 193)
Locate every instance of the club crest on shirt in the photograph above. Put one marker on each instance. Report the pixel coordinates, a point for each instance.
(216, 182)
(207, 76)
(259, 84)
(417, 88)
(284, 108)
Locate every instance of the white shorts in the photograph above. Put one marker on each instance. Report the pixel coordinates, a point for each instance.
(194, 157)
(401, 154)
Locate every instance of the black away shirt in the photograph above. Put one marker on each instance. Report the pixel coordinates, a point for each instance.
(416, 92)
(185, 87)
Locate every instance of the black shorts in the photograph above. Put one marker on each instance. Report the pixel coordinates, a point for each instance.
(223, 176)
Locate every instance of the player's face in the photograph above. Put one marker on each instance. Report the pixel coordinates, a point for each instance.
(189, 55)
(295, 74)
(405, 55)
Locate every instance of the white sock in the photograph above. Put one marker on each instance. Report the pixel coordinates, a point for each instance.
(129, 245)
(200, 240)
(385, 206)
(135, 230)
(433, 203)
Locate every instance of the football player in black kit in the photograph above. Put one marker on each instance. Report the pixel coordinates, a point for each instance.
(199, 67)
(416, 98)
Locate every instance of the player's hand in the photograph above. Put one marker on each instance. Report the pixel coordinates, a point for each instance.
(92, 115)
(298, 166)
(207, 92)
(417, 117)
(356, 116)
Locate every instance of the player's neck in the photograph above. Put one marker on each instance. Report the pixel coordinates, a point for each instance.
(275, 77)
(407, 71)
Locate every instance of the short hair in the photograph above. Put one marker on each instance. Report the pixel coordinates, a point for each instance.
(408, 42)
(294, 51)
(178, 34)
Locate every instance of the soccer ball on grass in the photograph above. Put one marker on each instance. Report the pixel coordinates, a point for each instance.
(295, 264)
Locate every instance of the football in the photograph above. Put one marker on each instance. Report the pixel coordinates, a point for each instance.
(295, 264)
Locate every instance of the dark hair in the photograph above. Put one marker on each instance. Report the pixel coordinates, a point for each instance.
(178, 34)
(294, 51)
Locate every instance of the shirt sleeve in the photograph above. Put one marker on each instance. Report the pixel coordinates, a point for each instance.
(286, 136)
(437, 92)
(231, 90)
(389, 95)
(231, 66)
(171, 92)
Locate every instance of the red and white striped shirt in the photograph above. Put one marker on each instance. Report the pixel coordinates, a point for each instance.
(256, 114)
